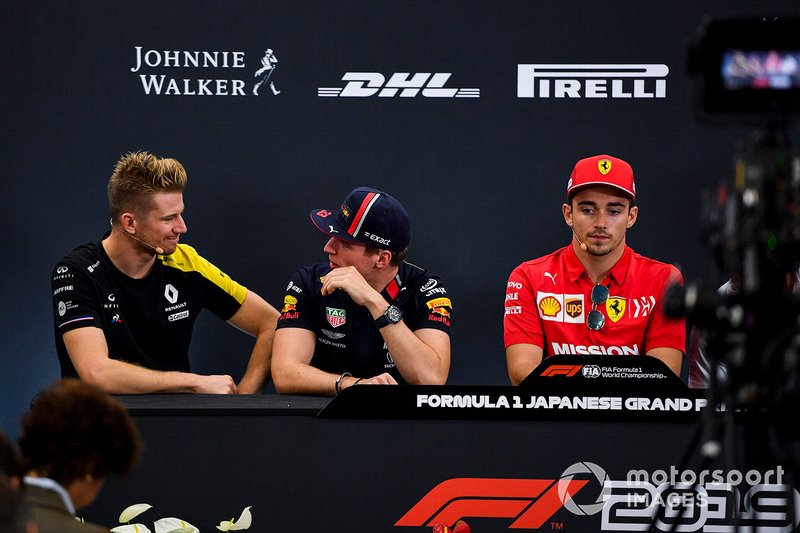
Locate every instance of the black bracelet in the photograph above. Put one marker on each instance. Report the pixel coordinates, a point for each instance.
(338, 384)
(356, 381)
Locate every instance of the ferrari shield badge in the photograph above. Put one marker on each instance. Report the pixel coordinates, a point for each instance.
(604, 166)
(615, 308)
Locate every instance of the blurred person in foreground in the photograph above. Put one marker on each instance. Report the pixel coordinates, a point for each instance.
(73, 438)
(13, 518)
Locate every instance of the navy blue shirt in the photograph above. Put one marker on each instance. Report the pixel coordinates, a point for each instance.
(347, 339)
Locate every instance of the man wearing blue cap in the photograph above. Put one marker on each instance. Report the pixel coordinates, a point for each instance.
(366, 316)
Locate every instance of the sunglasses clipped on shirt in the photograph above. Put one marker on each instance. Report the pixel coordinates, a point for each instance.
(595, 319)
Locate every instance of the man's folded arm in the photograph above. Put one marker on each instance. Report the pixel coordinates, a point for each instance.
(521, 360)
(292, 372)
(422, 356)
(669, 356)
(258, 318)
(88, 351)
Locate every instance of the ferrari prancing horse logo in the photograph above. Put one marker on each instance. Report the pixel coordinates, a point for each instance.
(604, 166)
(615, 307)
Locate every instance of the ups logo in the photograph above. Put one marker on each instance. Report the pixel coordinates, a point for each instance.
(574, 307)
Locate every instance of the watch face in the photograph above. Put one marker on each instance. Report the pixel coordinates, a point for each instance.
(394, 314)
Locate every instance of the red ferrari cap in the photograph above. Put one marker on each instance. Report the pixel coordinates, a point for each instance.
(602, 170)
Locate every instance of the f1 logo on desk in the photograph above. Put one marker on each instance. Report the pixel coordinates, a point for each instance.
(531, 502)
(588, 371)
(561, 370)
(681, 500)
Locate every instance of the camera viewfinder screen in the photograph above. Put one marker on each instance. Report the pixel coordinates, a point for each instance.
(761, 69)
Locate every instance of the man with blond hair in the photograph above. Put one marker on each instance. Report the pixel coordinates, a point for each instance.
(125, 306)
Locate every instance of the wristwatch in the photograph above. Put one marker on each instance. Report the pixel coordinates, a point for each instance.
(392, 315)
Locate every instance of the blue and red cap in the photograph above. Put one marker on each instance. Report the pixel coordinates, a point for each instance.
(602, 170)
(367, 216)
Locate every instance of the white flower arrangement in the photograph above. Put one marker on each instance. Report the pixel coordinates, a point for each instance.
(174, 525)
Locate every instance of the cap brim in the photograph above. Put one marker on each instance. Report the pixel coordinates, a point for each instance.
(623, 190)
(329, 226)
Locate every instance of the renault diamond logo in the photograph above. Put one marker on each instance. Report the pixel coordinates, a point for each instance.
(171, 293)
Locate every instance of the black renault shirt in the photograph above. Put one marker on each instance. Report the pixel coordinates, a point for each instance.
(347, 339)
(146, 321)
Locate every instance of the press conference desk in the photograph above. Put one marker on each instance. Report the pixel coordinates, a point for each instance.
(207, 457)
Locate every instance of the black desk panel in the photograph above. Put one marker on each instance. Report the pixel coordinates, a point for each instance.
(206, 458)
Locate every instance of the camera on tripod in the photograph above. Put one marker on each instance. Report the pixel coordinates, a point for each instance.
(747, 73)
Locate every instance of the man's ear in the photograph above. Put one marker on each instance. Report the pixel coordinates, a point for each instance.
(127, 222)
(384, 258)
(566, 209)
(633, 215)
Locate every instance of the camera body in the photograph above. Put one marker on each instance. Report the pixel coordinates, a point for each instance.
(747, 73)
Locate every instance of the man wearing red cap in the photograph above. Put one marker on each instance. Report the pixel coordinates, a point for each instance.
(595, 295)
(366, 316)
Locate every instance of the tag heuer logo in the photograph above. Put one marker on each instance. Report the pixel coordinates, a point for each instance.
(336, 317)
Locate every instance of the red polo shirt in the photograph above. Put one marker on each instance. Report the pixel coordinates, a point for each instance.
(548, 299)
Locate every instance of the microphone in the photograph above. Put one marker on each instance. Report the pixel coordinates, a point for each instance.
(583, 246)
(157, 249)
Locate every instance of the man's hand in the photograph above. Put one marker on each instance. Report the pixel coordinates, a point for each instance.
(381, 379)
(89, 353)
(350, 281)
(216, 384)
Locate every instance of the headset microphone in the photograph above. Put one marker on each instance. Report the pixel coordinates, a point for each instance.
(583, 246)
(157, 249)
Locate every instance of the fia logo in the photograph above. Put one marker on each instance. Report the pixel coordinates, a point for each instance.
(590, 371)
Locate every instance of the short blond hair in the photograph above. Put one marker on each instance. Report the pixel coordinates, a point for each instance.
(137, 176)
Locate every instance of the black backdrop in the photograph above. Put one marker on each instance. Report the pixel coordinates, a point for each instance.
(483, 178)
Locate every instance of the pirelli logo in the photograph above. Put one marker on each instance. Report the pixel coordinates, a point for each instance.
(592, 81)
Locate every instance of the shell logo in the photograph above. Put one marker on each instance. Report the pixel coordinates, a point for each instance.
(550, 306)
